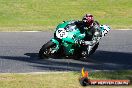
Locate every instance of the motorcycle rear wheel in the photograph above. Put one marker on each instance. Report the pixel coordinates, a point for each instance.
(94, 49)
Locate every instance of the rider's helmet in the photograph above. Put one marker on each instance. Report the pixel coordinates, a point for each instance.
(88, 19)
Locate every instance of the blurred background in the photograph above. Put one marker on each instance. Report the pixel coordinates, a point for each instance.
(30, 15)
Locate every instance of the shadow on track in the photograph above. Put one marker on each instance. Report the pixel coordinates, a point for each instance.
(101, 60)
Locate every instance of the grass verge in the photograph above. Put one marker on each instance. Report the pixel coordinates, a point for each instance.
(46, 14)
(59, 80)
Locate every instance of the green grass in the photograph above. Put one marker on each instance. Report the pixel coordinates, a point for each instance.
(18, 15)
(59, 80)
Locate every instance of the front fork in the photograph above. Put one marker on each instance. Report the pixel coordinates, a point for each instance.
(55, 49)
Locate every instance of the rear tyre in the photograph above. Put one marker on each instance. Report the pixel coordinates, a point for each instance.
(86, 55)
(94, 49)
(45, 51)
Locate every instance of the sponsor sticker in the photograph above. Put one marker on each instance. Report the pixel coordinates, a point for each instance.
(85, 81)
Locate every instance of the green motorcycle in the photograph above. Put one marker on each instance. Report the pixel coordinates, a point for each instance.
(64, 42)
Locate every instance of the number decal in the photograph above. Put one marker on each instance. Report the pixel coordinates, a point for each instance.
(105, 30)
(61, 33)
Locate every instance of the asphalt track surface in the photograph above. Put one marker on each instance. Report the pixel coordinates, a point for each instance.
(19, 53)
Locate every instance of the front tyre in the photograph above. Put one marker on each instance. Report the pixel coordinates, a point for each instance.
(46, 49)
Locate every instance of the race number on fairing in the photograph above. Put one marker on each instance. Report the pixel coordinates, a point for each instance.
(105, 29)
(61, 33)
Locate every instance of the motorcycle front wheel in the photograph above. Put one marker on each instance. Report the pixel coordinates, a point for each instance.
(46, 49)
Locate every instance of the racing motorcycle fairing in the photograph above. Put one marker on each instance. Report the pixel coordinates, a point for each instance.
(65, 37)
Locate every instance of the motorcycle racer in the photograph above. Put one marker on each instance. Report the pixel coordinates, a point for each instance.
(78, 39)
(92, 30)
